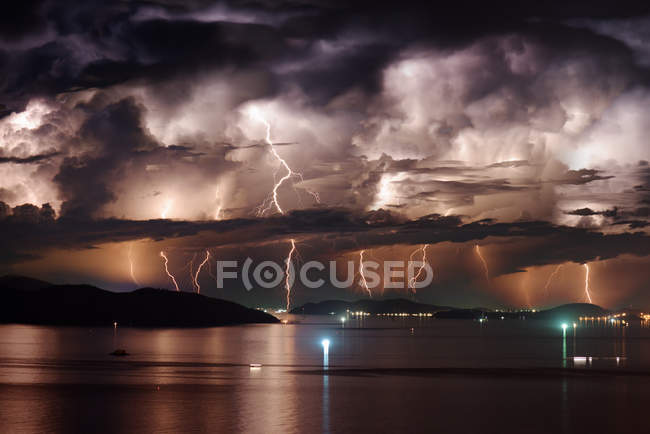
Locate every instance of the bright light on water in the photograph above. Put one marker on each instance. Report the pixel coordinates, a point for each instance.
(326, 351)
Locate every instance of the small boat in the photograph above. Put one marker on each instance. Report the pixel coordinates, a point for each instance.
(119, 352)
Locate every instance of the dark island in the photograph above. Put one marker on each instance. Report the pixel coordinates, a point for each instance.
(373, 307)
(397, 306)
(31, 301)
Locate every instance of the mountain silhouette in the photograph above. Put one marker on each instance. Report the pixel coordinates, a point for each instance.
(32, 301)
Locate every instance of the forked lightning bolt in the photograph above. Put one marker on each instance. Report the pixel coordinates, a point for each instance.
(273, 202)
(162, 255)
(415, 278)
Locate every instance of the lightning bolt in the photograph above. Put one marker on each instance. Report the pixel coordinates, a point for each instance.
(287, 273)
(198, 270)
(162, 255)
(485, 266)
(363, 281)
(217, 214)
(314, 194)
(424, 260)
(550, 279)
(587, 282)
(190, 267)
(131, 266)
(211, 273)
(166, 209)
(274, 202)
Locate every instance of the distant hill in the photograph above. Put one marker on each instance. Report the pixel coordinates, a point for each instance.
(31, 301)
(567, 312)
(22, 282)
(572, 311)
(395, 305)
(462, 314)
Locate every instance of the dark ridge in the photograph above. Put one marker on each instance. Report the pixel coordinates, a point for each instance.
(395, 305)
(572, 311)
(567, 312)
(22, 282)
(32, 301)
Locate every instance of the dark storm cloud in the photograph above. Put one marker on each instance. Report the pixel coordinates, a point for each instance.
(643, 190)
(633, 224)
(582, 176)
(181, 48)
(51, 47)
(20, 19)
(30, 230)
(421, 183)
(589, 211)
(465, 187)
(111, 145)
(28, 160)
(519, 163)
(326, 49)
(115, 134)
(505, 69)
(98, 44)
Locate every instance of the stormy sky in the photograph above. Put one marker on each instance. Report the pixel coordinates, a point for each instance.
(131, 127)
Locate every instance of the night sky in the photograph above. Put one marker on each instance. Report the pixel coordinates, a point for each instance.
(127, 128)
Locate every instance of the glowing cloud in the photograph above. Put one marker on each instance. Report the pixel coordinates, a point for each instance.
(166, 209)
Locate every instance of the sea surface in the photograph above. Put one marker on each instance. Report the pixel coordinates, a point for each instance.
(378, 375)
